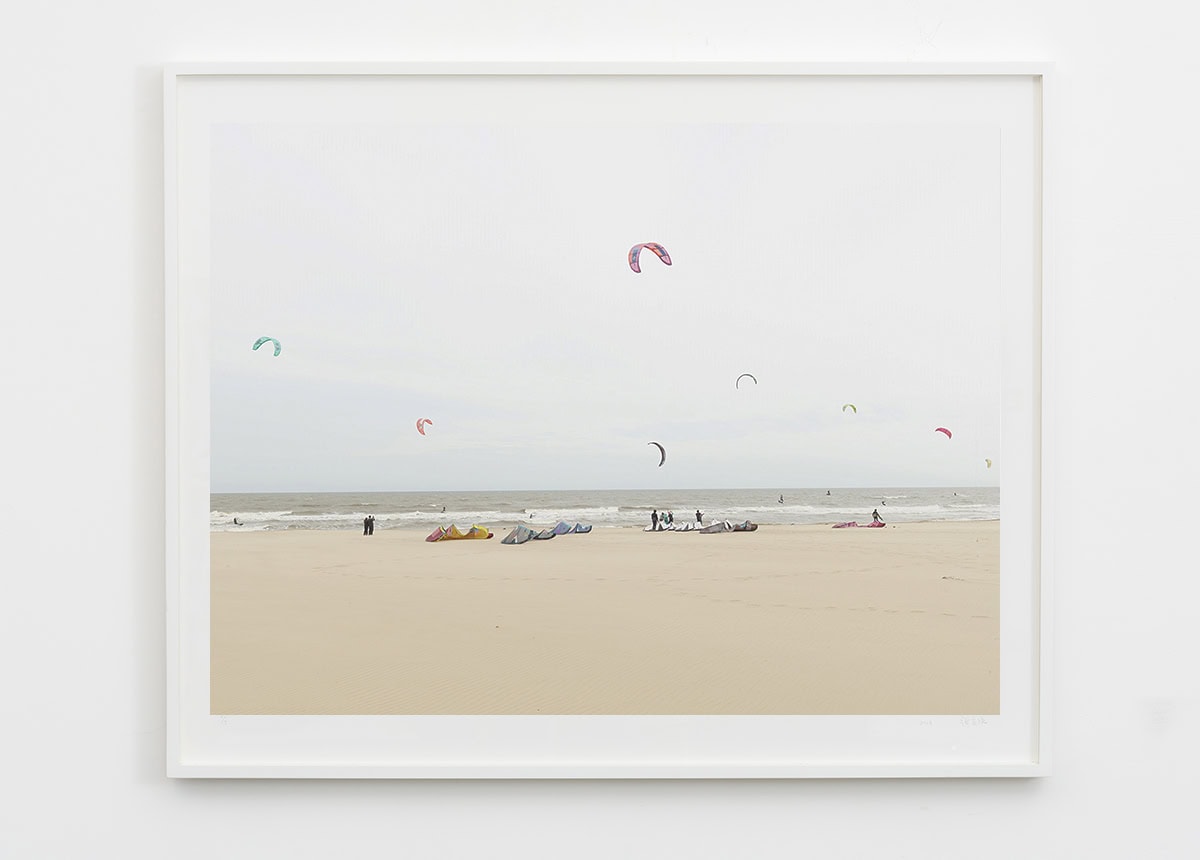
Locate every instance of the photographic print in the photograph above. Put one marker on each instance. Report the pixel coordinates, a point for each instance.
(612, 396)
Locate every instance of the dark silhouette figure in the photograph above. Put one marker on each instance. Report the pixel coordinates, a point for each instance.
(654, 520)
(699, 517)
(235, 521)
(366, 526)
(371, 524)
(875, 516)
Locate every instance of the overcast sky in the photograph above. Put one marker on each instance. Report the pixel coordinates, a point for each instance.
(477, 276)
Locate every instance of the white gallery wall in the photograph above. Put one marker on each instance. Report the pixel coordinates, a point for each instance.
(81, 588)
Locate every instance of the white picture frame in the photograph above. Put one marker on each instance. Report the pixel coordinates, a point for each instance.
(1013, 743)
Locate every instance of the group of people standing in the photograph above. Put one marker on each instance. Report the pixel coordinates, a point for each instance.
(668, 519)
(369, 524)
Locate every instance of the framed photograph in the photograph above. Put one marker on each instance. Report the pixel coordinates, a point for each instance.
(660, 420)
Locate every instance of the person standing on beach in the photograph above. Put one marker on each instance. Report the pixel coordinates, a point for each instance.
(654, 520)
(875, 516)
(699, 517)
(371, 524)
(366, 526)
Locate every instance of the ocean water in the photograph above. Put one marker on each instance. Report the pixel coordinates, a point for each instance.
(600, 508)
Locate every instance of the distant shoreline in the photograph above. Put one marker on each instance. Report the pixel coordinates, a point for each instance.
(598, 508)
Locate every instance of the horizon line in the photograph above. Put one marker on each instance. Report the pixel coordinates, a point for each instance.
(773, 487)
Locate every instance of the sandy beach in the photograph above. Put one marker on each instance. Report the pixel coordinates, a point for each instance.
(784, 620)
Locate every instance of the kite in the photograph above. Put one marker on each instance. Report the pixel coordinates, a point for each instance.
(943, 430)
(636, 251)
(851, 407)
(743, 376)
(662, 452)
(263, 340)
(421, 422)
(989, 462)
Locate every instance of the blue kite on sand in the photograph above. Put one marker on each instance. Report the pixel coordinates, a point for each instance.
(523, 534)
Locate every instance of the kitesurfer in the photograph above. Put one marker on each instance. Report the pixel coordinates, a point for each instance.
(781, 499)
(654, 520)
(875, 516)
(828, 493)
(235, 521)
(699, 517)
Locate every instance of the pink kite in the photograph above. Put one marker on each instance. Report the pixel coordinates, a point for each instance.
(636, 251)
(944, 430)
(421, 422)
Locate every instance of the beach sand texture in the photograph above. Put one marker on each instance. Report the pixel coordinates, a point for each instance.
(784, 620)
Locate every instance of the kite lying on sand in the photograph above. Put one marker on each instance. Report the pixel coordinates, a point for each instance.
(524, 534)
(727, 526)
(453, 533)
